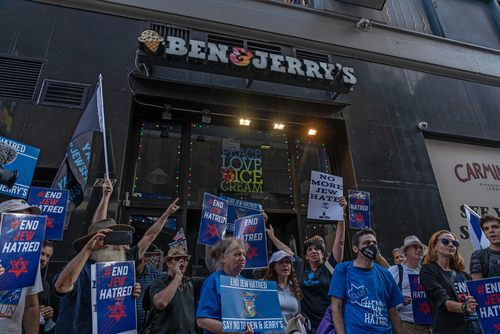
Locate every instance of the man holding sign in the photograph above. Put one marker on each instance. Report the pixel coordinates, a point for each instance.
(20, 304)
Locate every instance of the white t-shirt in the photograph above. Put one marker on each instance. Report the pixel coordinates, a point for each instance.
(12, 304)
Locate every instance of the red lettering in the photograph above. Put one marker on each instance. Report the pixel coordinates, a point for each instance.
(53, 201)
(29, 235)
(456, 173)
(470, 172)
(16, 238)
(477, 169)
(487, 169)
(121, 280)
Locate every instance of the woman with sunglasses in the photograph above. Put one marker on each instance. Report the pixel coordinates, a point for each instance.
(443, 278)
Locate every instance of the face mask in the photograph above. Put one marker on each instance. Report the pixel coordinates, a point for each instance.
(371, 252)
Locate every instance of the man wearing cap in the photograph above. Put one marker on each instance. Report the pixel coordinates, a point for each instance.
(20, 305)
(73, 283)
(175, 294)
(414, 251)
(398, 258)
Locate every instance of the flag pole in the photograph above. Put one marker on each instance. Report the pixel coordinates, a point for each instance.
(471, 211)
(103, 124)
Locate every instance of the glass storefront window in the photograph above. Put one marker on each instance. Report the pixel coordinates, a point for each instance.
(311, 156)
(157, 166)
(241, 163)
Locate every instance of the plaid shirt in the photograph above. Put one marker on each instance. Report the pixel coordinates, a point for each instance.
(148, 275)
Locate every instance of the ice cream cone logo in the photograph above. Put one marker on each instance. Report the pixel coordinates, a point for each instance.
(240, 57)
(151, 39)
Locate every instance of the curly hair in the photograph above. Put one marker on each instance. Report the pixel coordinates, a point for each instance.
(456, 262)
(272, 275)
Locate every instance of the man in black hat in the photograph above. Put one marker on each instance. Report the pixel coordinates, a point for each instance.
(73, 283)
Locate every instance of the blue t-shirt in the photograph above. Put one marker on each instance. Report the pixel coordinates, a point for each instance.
(210, 299)
(367, 295)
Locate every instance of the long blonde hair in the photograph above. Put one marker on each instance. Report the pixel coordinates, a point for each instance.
(456, 262)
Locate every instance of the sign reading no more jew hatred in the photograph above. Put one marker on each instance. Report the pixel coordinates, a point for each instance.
(20, 246)
(241, 62)
(324, 195)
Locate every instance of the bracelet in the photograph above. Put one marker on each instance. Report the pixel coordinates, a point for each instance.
(464, 308)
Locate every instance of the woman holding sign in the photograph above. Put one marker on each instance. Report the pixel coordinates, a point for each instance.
(443, 278)
(289, 293)
(230, 253)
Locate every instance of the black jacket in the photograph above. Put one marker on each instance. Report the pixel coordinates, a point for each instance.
(438, 289)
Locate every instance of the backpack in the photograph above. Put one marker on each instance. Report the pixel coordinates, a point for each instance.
(400, 283)
(152, 312)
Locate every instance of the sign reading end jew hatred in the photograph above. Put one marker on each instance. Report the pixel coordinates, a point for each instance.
(359, 209)
(213, 220)
(419, 303)
(237, 209)
(246, 301)
(20, 244)
(52, 203)
(486, 292)
(324, 195)
(113, 307)
(252, 229)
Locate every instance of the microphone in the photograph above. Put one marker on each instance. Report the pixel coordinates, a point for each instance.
(7, 155)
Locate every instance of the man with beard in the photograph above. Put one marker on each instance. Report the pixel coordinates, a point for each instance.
(364, 295)
(414, 251)
(174, 295)
(73, 283)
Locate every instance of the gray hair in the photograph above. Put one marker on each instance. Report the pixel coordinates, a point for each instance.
(224, 245)
(395, 250)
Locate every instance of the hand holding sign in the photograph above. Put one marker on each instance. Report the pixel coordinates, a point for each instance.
(2, 269)
(471, 304)
(136, 290)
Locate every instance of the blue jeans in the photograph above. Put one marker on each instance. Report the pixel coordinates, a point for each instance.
(473, 327)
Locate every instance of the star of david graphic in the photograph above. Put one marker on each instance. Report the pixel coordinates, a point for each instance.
(117, 311)
(424, 307)
(49, 222)
(213, 230)
(18, 266)
(251, 252)
(359, 217)
(356, 294)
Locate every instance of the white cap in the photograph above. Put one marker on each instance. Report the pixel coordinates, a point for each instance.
(18, 204)
(279, 255)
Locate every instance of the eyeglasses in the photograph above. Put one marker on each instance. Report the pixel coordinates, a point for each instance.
(453, 242)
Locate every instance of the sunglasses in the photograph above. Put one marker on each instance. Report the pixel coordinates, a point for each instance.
(453, 242)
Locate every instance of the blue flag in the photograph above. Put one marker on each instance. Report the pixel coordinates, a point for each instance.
(73, 173)
(113, 307)
(252, 229)
(419, 303)
(477, 236)
(21, 242)
(213, 220)
(486, 292)
(247, 301)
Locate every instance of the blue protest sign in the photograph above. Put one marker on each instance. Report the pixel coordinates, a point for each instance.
(53, 203)
(24, 163)
(213, 220)
(486, 292)
(252, 229)
(420, 305)
(359, 209)
(113, 307)
(21, 242)
(237, 209)
(247, 301)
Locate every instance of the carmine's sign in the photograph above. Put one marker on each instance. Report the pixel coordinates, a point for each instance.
(239, 62)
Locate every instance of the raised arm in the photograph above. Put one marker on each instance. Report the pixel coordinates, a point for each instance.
(154, 230)
(338, 245)
(102, 210)
(276, 241)
(70, 273)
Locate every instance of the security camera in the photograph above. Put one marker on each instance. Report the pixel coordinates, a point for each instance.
(364, 24)
(423, 126)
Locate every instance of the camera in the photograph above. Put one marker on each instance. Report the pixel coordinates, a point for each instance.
(364, 24)
(423, 126)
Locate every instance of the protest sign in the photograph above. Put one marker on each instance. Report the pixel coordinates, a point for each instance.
(420, 305)
(324, 195)
(24, 163)
(252, 229)
(237, 209)
(359, 209)
(213, 220)
(247, 301)
(113, 307)
(21, 242)
(53, 204)
(486, 292)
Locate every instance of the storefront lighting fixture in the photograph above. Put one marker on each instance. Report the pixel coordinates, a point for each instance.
(205, 116)
(245, 122)
(312, 132)
(167, 112)
(279, 126)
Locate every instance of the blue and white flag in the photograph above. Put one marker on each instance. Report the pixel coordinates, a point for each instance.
(477, 236)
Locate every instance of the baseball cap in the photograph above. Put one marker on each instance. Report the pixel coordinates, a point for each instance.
(18, 204)
(279, 255)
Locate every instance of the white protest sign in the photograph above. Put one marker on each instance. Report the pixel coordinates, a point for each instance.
(324, 194)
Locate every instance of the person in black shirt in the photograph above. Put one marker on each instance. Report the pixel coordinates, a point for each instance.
(485, 263)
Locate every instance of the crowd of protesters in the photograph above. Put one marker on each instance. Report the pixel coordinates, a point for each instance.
(319, 293)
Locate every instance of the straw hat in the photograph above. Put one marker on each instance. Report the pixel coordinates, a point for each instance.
(292, 327)
(411, 240)
(177, 251)
(99, 225)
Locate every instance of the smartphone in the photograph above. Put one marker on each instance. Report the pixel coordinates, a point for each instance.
(118, 238)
